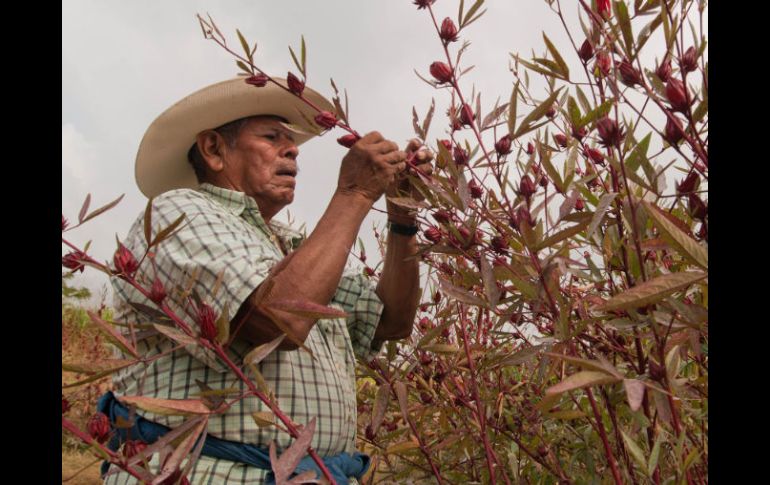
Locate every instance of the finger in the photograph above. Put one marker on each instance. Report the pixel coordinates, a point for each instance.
(424, 155)
(372, 137)
(413, 145)
(396, 157)
(385, 147)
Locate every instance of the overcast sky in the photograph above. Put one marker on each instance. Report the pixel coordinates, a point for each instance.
(123, 63)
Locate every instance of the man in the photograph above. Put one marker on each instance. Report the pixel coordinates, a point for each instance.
(229, 183)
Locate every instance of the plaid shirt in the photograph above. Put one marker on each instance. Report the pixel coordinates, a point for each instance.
(223, 251)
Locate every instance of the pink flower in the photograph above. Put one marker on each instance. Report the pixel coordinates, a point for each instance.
(432, 234)
(259, 80)
(124, 261)
(295, 85)
(157, 292)
(503, 145)
(326, 120)
(207, 320)
(348, 140)
(98, 427)
(448, 32)
(603, 8)
(475, 189)
(586, 51)
(441, 72)
(676, 92)
(74, 261)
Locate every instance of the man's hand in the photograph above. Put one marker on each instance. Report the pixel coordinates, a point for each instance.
(371, 166)
(401, 187)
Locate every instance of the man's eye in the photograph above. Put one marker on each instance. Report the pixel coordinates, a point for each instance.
(270, 136)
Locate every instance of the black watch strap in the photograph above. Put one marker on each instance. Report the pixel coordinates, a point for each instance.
(402, 229)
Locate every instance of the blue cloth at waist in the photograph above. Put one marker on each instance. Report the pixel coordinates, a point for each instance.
(342, 466)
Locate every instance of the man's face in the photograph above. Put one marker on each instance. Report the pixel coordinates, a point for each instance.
(263, 164)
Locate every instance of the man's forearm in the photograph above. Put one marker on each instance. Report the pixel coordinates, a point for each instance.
(399, 286)
(314, 270)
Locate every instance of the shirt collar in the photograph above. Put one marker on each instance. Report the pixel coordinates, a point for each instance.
(238, 202)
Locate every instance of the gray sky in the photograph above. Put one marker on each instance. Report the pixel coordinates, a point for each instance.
(123, 63)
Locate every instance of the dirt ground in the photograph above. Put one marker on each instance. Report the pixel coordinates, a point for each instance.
(72, 462)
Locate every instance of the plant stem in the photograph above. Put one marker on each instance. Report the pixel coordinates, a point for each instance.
(605, 441)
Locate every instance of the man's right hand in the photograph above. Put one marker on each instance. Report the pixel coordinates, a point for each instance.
(370, 166)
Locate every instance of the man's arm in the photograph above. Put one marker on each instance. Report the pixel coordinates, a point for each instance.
(399, 286)
(313, 271)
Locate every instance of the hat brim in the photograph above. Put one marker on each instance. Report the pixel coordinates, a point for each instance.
(161, 162)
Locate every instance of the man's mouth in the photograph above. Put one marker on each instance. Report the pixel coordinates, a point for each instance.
(290, 172)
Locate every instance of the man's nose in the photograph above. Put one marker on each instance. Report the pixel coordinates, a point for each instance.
(290, 150)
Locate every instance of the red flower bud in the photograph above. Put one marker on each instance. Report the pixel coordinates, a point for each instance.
(456, 125)
(437, 297)
(460, 156)
(426, 397)
(448, 30)
(503, 145)
(551, 112)
(369, 433)
(432, 234)
(676, 93)
(561, 139)
(579, 204)
(64, 223)
(476, 191)
(259, 80)
(664, 69)
(98, 427)
(295, 85)
(157, 292)
(348, 140)
(530, 148)
(424, 323)
(426, 359)
(543, 181)
(73, 260)
(674, 130)
(207, 320)
(603, 63)
(522, 214)
(586, 51)
(441, 72)
(628, 74)
(689, 184)
(594, 155)
(466, 115)
(65, 405)
(610, 133)
(133, 447)
(423, 3)
(326, 119)
(603, 8)
(689, 60)
(499, 245)
(579, 133)
(447, 144)
(527, 187)
(698, 209)
(124, 261)
(369, 271)
(442, 216)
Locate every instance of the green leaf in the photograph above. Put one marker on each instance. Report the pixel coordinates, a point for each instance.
(175, 334)
(574, 111)
(580, 380)
(557, 57)
(103, 209)
(263, 418)
(597, 113)
(490, 283)
(651, 291)
(569, 414)
(633, 448)
(647, 31)
(545, 158)
(256, 355)
(244, 67)
(625, 26)
(448, 349)
(148, 222)
(401, 394)
(634, 393)
(684, 244)
(653, 463)
(84, 208)
(562, 235)
(244, 44)
(537, 113)
(302, 55)
(116, 338)
(634, 159)
(594, 365)
(168, 407)
(223, 325)
(601, 208)
(381, 399)
(460, 294)
(470, 12)
(296, 62)
(167, 231)
(307, 309)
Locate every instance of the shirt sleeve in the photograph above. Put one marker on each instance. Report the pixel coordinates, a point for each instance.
(214, 254)
(356, 295)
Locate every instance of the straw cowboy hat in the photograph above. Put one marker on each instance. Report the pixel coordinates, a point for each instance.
(161, 163)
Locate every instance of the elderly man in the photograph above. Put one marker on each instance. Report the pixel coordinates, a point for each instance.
(226, 157)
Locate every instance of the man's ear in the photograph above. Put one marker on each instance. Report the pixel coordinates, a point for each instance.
(212, 148)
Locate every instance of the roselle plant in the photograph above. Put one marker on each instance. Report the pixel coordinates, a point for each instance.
(563, 335)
